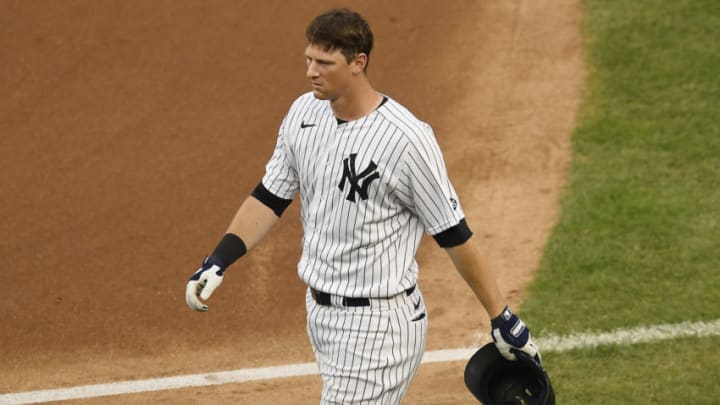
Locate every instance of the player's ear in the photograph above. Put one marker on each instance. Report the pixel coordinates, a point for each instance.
(358, 63)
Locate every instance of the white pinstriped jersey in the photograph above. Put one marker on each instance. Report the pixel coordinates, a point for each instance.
(369, 190)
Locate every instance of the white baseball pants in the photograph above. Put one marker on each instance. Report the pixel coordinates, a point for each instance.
(369, 354)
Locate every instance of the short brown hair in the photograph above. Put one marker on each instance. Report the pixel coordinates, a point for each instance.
(341, 29)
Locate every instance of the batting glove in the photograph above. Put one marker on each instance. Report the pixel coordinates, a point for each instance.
(510, 334)
(203, 283)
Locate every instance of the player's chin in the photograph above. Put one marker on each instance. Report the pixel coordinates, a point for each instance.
(320, 95)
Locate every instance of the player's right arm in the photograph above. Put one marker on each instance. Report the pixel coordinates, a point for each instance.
(252, 221)
(257, 214)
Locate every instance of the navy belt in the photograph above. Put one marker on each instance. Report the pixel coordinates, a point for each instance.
(323, 298)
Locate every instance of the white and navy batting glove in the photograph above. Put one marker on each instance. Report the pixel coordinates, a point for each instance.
(510, 334)
(203, 283)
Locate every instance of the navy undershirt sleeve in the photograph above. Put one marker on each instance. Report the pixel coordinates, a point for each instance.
(275, 203)
(454, 236)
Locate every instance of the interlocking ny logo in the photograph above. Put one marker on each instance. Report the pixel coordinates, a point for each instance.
(353, 177)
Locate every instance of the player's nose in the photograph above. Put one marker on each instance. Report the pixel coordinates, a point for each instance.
(311, 71)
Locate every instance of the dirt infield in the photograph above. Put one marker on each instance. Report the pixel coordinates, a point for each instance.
(131, 131)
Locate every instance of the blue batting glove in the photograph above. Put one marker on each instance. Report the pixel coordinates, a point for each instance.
(203, 283)
(510, 334)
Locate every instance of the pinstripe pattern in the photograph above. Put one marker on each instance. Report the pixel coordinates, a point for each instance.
(365, 355)
(369, 190)
(365, 248)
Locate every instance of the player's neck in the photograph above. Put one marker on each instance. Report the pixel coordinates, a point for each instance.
(356, 103)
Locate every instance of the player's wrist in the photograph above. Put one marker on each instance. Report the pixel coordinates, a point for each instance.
(230, 248)
(504, 316)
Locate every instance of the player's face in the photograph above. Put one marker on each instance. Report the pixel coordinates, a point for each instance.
(328, 71)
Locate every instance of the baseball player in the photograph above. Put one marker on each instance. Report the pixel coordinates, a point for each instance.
(372, 181)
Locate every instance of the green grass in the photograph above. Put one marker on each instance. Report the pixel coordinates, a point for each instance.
(638, 240)
(682, 371)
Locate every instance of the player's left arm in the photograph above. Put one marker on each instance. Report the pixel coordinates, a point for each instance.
(508, 331)
(468, 262)
(427, 191)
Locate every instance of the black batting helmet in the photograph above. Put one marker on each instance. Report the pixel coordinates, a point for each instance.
(494, 380)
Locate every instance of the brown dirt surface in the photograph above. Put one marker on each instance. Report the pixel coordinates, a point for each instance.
(132, 130)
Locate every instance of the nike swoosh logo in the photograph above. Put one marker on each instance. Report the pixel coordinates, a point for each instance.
(417, 305)
(303, 125)
(419, 317)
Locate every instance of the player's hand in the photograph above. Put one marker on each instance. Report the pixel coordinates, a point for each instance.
(203, 283)
(510, 334)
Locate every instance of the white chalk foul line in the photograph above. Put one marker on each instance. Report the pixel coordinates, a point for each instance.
(549, 343)
(159, 384)
(630, 336)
